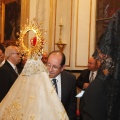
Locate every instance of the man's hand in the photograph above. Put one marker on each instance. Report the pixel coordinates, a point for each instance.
(85, 85)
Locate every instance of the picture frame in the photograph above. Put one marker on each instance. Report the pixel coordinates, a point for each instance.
(11, 16)
(25, 4)
(105, 10)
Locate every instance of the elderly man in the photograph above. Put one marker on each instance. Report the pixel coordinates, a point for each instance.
(8, 72)
(2, 55)
(64, 82)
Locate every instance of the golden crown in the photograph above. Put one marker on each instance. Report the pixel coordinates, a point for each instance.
(37, 43)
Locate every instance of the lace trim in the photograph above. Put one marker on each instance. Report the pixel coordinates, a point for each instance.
(33, 66)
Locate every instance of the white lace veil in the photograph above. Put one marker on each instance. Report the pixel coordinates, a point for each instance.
(33, 66)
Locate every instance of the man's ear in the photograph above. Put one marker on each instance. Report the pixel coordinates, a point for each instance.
(62, 68)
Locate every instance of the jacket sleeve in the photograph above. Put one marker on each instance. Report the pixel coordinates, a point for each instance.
(4, 84)
(83, 78)
(72, 107)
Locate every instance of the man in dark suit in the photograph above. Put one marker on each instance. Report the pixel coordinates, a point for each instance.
(8, 72)
(65, 82)
(2, 55)
(85, 78)
(88, 75)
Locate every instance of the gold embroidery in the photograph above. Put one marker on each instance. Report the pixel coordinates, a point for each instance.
(13, 112)
(31, 99)
(32, 117)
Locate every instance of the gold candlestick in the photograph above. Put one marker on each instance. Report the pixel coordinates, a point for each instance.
(60, 35)
(60, 44)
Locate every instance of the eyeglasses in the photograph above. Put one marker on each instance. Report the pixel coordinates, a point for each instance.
(16, 53)
(53, 67)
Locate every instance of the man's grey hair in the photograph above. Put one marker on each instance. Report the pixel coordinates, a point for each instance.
(8, 51)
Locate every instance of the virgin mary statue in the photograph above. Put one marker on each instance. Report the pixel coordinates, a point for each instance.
(32, 96)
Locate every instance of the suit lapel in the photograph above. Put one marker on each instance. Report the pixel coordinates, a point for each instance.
(88, 74)
(63, 86)
(11, 69)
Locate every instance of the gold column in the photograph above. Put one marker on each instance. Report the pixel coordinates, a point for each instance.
(25, 8)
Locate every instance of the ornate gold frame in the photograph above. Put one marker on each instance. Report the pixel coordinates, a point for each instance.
(24, 13)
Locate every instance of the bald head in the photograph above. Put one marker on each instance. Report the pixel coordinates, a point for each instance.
(12, 54)
(55, 63)
(44, 57)
(92, 64)
(59, 54)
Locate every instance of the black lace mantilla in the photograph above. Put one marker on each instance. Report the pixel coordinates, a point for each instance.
(109, 48)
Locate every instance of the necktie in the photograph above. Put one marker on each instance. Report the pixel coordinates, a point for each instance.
(54, 81)
(16, 70)
(92, 77)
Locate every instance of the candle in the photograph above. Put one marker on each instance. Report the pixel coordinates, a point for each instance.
(61, 21)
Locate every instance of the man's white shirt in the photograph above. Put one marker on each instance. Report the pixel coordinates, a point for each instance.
(58, 79)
